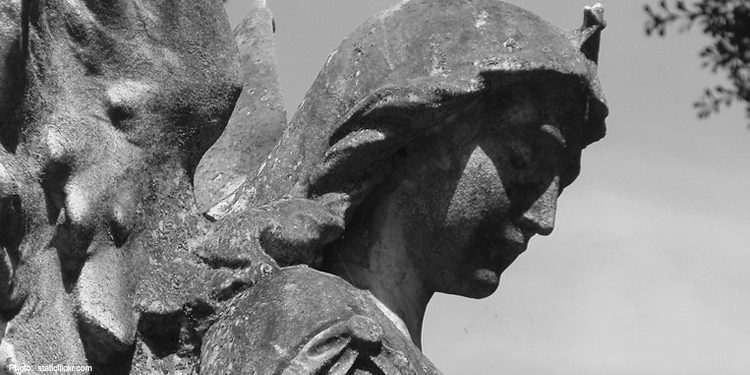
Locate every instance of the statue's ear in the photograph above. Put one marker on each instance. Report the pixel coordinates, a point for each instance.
(588, 36)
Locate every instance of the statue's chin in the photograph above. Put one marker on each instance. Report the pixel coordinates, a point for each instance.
(484, 282)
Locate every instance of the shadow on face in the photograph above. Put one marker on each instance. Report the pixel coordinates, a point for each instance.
(470, 195)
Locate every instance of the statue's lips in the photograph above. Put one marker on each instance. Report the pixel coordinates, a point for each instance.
(513, 242)
(514, 249)
(506, 252)
(499, 247)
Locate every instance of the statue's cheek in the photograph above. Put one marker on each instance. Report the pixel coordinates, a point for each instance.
(479, 194)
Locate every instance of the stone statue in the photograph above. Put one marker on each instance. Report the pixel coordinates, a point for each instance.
(430, 149)
(106, 108)
(144, 231)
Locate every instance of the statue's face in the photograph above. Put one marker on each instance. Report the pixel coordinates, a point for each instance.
(472, 195)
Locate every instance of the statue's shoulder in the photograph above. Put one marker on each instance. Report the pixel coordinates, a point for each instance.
(294, 288)
(300, 320)
(270, 323)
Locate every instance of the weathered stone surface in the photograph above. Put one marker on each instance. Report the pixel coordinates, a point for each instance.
(10, 222)
(48, 333)
(10, 64)
(258, 118)
(301, 321)
(107, 318)
(118, 102)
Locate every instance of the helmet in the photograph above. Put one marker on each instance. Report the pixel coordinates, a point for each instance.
(390, 78)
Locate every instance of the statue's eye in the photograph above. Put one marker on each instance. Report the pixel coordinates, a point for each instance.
(520, 155)
(531, 164)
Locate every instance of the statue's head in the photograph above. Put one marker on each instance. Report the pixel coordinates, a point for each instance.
(475, 113)
(118, 101)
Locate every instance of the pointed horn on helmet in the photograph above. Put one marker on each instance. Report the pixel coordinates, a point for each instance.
(587, 38)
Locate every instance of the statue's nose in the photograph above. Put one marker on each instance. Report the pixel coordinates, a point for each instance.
(540, 217)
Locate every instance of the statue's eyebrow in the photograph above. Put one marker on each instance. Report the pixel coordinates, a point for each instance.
(555, 133)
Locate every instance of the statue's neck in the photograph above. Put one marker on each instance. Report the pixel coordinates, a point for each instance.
(373, 257)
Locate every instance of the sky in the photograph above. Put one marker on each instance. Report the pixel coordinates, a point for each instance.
(648, 269)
